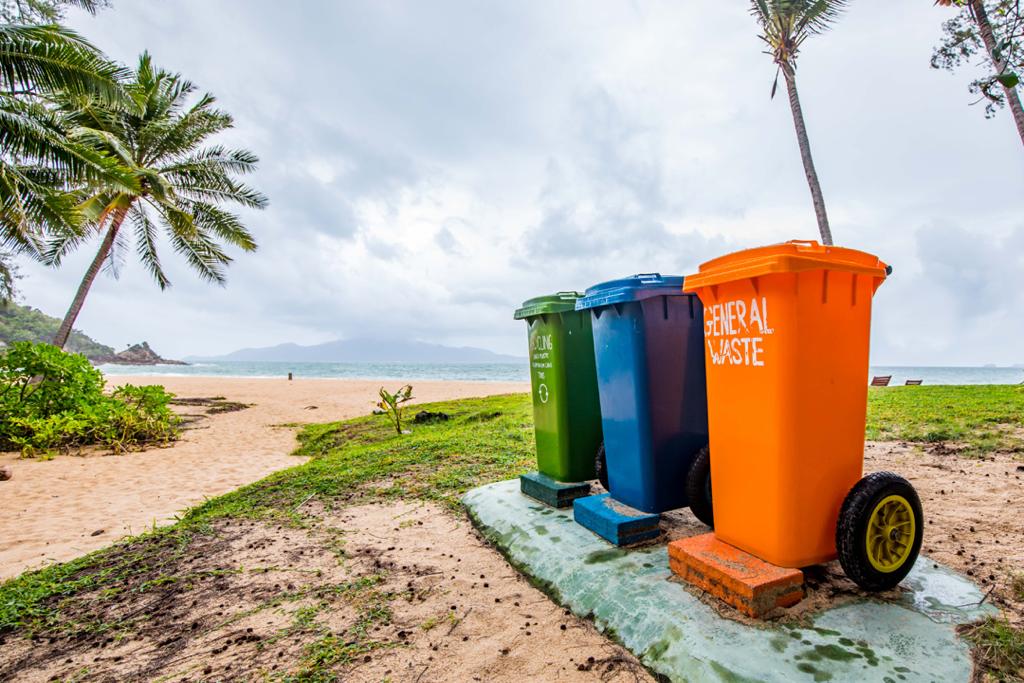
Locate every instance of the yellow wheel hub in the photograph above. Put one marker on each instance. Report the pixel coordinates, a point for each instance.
(890, 534)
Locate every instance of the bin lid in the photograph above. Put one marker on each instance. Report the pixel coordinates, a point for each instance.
(632, 288)
(550, 303)
(788, 257)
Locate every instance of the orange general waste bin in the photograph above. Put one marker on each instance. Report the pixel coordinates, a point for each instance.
(787, 331)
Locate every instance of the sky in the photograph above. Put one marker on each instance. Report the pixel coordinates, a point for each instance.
(430, 165)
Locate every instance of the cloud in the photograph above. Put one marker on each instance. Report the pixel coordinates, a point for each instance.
(432, 165)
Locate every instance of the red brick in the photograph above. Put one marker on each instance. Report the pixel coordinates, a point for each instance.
(748, 583)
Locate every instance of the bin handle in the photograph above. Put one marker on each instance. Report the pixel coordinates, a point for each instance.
(567, 294)
(648, 276)
(812, 244)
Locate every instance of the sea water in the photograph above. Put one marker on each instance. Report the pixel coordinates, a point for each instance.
(500, 372)
(471, 372)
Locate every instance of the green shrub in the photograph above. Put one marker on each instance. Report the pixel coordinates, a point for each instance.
(54, 401)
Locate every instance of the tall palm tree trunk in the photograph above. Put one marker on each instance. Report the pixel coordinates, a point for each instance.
(90, 275)
(989, 38)
(805, 155)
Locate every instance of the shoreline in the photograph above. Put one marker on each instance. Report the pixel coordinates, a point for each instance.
(525, 383)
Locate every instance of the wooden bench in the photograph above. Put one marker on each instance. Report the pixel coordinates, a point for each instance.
(914, 382)
(881, 381)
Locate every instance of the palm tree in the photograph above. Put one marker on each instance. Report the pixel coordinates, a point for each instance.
(175, 181)
(785, 25)
(37, 160)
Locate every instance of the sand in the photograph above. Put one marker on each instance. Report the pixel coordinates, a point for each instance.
(972, 511)
(250, 600)
(56, 510)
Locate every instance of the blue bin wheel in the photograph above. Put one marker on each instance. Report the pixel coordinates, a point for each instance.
(601, 466)
(698, 487)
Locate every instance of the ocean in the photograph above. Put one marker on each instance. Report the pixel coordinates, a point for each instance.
(498, 372)
(470, 372)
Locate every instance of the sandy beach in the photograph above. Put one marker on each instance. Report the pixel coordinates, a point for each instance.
(59, 509)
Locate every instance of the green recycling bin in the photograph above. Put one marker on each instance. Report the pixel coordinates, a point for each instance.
(566, 407)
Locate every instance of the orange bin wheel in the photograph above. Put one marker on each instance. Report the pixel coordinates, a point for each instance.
(786, 331)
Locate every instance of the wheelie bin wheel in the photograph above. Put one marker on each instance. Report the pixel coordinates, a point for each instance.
(698, 487)
(601, 466)
(878, 536)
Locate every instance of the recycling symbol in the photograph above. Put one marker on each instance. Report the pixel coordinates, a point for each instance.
(542, 392)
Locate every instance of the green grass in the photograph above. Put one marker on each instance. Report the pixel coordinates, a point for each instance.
(998, 647)
(981, 419)
(327, 650)
(486, 440)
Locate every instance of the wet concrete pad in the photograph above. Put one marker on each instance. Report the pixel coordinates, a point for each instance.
(630, 596)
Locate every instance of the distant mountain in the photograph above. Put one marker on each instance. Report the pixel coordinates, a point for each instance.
(24, 323)
(366, 351)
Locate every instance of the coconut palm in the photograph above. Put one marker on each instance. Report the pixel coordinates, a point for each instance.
(37, 160)
(176, 183)
(785, 25)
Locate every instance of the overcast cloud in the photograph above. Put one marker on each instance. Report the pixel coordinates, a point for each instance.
(432, 164)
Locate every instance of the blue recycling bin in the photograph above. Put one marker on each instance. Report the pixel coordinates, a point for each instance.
(649, 349)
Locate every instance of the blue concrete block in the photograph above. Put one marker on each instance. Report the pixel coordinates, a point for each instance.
(616, 523)
(557, 494)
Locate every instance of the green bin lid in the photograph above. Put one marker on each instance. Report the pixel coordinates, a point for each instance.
(551, 303)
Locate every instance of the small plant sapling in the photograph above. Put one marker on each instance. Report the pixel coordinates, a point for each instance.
(391, 404)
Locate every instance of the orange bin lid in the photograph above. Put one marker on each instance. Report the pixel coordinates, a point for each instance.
(788, 257)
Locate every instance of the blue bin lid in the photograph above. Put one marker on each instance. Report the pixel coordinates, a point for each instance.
(632, 288)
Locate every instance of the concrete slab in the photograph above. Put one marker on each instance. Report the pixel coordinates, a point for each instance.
(558, 494)
(630, 596)
(615, 522)
(748, 583)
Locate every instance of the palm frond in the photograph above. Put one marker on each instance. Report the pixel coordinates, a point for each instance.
(51, 58)
(786, 24)
(30, 209)
(44, 11)
(170, 138)
(200, 251)
(215, 159)
(117, 256)
(216, 221)
(145, 244)
(36, 135)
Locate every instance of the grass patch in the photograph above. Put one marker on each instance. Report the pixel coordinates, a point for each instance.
(363, 459)
(331, 650)
(998, 648)
(982, 419)
(35, 602)
(354, 461)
